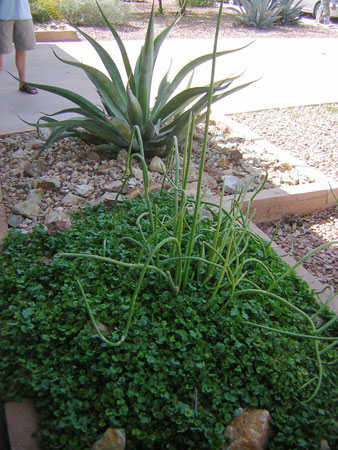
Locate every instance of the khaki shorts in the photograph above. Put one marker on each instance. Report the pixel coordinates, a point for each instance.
(20, 32)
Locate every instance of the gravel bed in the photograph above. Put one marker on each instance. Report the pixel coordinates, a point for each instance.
(311, 134)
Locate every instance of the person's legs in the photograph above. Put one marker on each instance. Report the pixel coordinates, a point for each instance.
(6, 39)
(21, 65)
(24, 40)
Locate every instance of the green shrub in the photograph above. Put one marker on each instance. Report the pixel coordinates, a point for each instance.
(46, 10)
(183, 371)
(85, 12)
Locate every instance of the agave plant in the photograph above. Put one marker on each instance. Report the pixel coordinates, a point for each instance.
(258, 13)
(111, 126)
(290, 11)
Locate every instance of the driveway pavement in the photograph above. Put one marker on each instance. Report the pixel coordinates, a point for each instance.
(291, 72)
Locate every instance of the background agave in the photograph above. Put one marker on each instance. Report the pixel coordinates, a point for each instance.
(258, 13)
(112, 125)
(290, 11)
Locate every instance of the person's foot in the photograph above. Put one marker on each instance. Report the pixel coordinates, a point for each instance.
(27, 89)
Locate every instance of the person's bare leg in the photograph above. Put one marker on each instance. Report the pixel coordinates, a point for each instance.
(1, 62)
(21, 64)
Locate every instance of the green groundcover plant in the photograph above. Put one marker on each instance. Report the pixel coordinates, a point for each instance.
(184, 369)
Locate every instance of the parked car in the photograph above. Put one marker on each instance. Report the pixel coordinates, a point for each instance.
(311, 6)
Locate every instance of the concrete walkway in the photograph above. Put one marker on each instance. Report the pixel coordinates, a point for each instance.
(291, 71)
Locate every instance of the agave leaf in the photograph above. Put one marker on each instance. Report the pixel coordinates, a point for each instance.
(56, 135)
(109, 64)
(79, 111)
(135, 112)
(184, 98)
(105, 87)
(160, 101)
(146, 67)
(163, 86)
(161, 37)
(122, 49)
(85, 104)
(149, 131)
(121, 127)
(99, 128)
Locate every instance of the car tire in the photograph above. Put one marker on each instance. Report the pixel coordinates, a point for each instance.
(315, 9)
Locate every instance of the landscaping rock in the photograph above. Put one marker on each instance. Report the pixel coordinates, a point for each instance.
(122, 156)
(85, 190)
(233, 184)
(134, 192)
(72, 200)
(224, 161)
(93, 156)
(28, 208)
(14, 220)
(35, 143)
(138, 173)
(193, 174)
(109, 198)
(49, 183)
(19, 154)
(157, 165)
(249, 430)
(215, 173)
(324, 445)
(35, 168)
(57, 219)
(112, 439)
(209, 181)
(115, 186)
(36, 195)
(235, 156)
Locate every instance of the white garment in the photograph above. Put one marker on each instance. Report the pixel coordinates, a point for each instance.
(14, 10)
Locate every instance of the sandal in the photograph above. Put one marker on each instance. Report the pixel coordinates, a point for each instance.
(28, 89)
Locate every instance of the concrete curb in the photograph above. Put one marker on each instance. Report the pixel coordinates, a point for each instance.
(22, 422)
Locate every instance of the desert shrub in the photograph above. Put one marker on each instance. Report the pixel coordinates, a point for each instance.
(46, 10)
(184, 369)
(85, 12)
